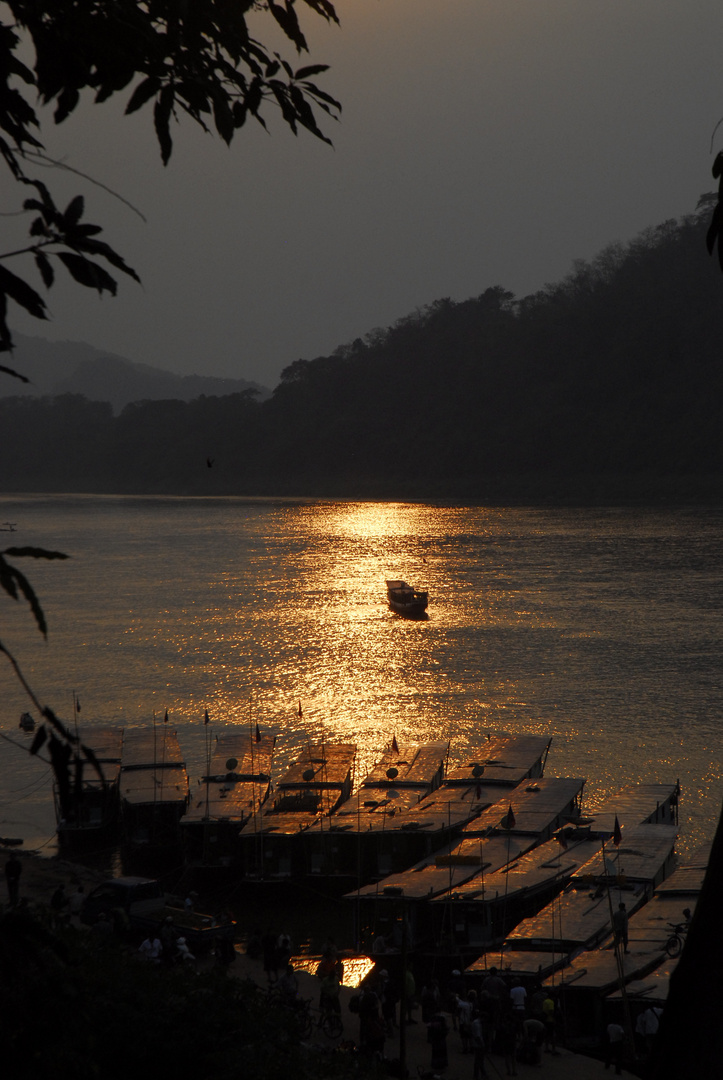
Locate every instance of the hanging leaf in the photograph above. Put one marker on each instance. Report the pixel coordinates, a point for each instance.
(145, 90)
(161, 118)
(312, 69)
(19, 291)
(46, 270)
(34, 553)
(74, 211)
(88, 273)
(59, 725)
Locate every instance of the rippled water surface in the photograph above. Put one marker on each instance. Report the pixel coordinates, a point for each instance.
(599, 627)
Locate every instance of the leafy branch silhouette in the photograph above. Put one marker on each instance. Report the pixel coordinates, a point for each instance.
(67, 755)
(196, 60)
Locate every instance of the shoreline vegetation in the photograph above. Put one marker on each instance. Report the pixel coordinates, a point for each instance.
(639, 491)
(602, 389)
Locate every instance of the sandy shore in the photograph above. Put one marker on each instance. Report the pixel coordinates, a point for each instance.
(40, 877)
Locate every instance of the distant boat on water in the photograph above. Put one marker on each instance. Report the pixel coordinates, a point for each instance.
(406, 600)
(27, 723)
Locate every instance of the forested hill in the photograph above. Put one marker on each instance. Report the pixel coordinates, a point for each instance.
(604, 386)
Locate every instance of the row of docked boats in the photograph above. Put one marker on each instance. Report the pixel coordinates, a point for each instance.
(310, 825)
(489, 862)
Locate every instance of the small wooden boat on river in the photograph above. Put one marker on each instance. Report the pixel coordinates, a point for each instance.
(406, 600)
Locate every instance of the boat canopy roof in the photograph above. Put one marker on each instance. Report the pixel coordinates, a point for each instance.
(331, 764)
(417, 766)
(155, 748)
(252, 759)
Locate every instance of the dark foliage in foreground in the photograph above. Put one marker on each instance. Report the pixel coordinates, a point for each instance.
(607, 382)
(194, 61)
(75, 1009)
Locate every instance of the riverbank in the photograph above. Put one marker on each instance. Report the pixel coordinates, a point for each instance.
(41, 876)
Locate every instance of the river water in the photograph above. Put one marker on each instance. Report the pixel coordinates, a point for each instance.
(601, 628)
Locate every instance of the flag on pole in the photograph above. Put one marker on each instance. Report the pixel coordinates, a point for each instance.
(395, 744)
(206, 718)
(511, 819)
(258, 733)
(300, 712)
(165, 718)
(617, 834)
(77, 704)
(478, 792)
(560, 837)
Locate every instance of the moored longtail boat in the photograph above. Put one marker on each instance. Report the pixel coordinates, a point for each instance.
(153, 789)
(229, 795)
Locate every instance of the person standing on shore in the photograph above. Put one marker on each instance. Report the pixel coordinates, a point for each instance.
(437, 1038)
(13, 870)
(478, 1046)
(620, 927)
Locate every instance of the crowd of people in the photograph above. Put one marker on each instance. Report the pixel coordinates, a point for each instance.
(500, 1015)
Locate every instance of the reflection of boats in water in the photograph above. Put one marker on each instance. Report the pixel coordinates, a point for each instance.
(406, 600)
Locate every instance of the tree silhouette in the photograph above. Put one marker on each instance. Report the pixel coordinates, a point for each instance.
(195, 59)
(192, 58)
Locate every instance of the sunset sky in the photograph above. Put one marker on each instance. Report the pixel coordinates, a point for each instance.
(482, 142)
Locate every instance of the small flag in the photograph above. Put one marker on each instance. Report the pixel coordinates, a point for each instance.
(617, 834)
(300, 712)
(206, 717)
(395, 744)
(511, 820)
(165, 718)
(478, 792)
(560, 837)
(77, 704)
(258, 733)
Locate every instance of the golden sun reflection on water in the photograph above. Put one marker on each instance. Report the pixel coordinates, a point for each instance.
(598, 628)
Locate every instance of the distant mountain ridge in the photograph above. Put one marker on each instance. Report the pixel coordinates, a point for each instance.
(73, 367)
(604, 388)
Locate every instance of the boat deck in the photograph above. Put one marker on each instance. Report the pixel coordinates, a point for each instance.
(106, 744)
(645, 855)
(419, 766)
(545, 865)
(640, 804)
(435, 876)
(539, 807)
(506, 759)
(153, 770)
(321, 766)
(233, 794)
(580, 917)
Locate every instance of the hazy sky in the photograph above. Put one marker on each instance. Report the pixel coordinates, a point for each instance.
(482, 142)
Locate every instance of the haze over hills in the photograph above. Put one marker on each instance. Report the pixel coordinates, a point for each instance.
(73, 367)
(603, 387)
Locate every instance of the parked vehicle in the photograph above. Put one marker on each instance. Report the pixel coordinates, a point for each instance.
(147, 907)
